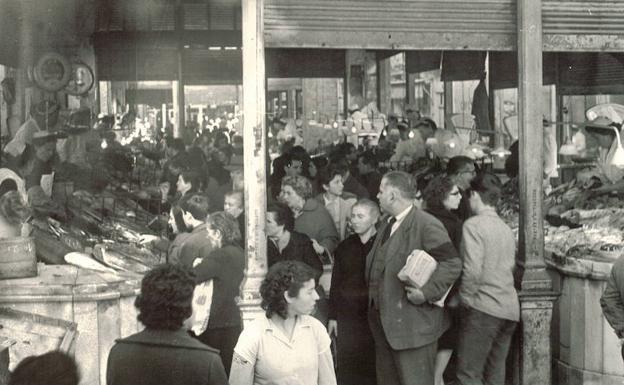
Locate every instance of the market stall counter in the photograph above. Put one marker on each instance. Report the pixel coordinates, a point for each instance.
(585, 349)
(101, 304)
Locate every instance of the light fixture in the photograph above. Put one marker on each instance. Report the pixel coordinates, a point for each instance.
(568, 148)
(618, 155)
(104, 144)
(475, 150)
(335, 125)
(214, 48)
(501, 152)
(353, 129)
(411, 135)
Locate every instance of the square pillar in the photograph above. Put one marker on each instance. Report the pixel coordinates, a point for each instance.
(254, 152)
(536, 296)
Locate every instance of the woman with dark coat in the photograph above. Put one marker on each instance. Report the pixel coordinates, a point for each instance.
(164, 353)
(224, 266)
(284, 243)
(441, 199)
(348, 299)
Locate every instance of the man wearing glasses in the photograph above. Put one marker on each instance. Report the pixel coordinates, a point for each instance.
(461, 170)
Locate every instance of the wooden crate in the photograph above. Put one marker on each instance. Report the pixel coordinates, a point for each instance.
(34, 334)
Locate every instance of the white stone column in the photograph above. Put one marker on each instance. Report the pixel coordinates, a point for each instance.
(254, 150)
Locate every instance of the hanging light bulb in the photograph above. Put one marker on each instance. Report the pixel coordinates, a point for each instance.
(104, 144)
(452, 145)
(475, 150)
(618, 155)
(411, 135)
(270, 134)
(568, 148)
(335, 124)
(501, 152)
(353, 129)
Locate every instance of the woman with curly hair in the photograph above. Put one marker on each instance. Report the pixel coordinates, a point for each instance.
(224, 266)
(285, 345)
(153, 356)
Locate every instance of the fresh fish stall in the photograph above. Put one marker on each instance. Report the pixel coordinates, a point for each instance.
(99, 303)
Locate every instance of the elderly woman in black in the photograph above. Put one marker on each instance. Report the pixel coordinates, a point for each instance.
(224, 266)
(285, 345)
(153, 356)
(348, 299)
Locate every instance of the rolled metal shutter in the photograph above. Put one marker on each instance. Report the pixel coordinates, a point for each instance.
(391, 24)
(583, 25)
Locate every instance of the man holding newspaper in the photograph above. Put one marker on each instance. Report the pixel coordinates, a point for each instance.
(404, 318)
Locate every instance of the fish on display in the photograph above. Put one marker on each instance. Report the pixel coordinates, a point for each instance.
(117, 260)
(86, 261)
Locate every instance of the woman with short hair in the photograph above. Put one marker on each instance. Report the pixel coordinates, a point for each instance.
(311, 216)
(348, 299)
(285, 345)
(286, 244)
(336, 201)
(441, 199)
(155, 353)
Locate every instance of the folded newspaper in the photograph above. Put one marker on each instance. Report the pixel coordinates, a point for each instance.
(418, 269)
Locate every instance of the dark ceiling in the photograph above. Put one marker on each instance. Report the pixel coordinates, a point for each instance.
(29, 27)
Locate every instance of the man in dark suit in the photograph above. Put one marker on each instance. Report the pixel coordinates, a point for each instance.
(404, 322)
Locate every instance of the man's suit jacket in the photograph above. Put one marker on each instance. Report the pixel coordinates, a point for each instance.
(405, 325)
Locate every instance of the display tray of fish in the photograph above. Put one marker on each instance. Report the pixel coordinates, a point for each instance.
(107, 254)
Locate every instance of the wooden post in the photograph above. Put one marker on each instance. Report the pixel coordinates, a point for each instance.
(254, 150)
(179, 90)
(536, 296)
(448, 103)
(384, 81)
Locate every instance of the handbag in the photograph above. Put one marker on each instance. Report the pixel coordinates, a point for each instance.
(202, 301)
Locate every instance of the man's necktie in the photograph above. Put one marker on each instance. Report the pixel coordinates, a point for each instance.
(387, 230)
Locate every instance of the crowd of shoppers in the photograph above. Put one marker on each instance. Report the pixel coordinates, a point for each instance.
(339, 212)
